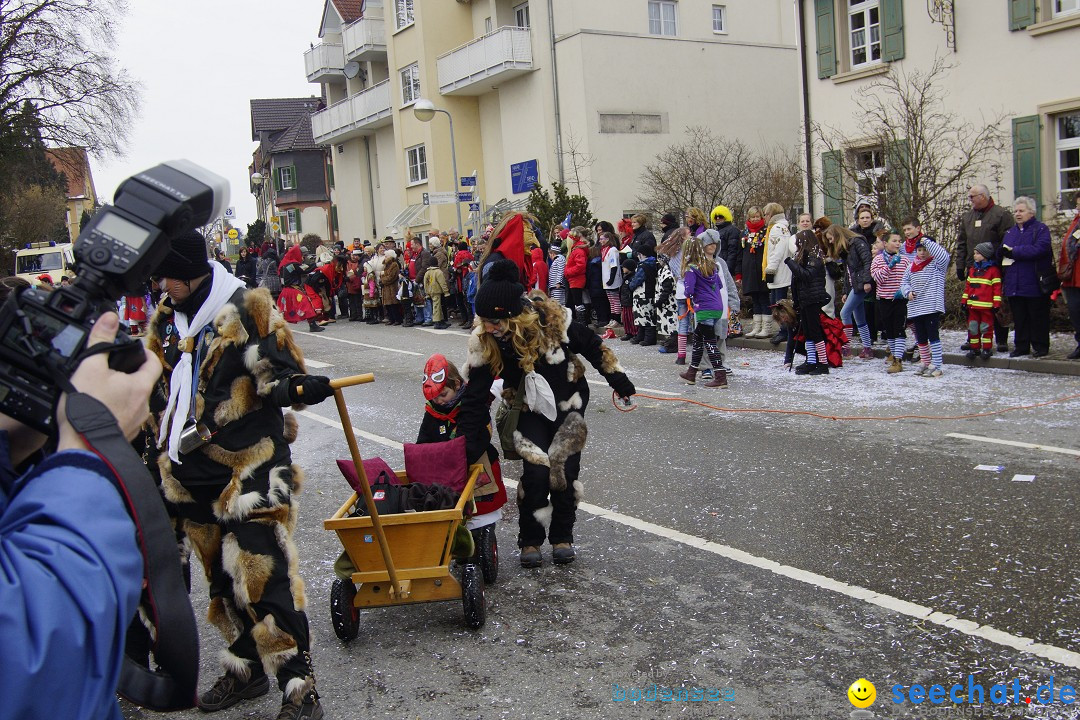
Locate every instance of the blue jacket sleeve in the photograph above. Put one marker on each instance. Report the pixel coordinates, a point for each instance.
(1040, 247)
(70, 579)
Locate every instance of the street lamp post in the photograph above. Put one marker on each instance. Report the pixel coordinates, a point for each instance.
(425, 110)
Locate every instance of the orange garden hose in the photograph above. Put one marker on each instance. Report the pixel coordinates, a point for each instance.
(630, 408)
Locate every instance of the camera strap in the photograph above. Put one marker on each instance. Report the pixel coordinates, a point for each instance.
(176, 636)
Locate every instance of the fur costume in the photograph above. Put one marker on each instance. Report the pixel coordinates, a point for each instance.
(551, 449)
(235, 496)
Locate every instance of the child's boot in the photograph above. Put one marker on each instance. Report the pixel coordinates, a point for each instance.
(650, 336)
(690, 376)
(895, 365)
(718, 380)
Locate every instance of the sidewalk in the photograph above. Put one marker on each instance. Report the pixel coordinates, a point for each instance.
(1061, 344)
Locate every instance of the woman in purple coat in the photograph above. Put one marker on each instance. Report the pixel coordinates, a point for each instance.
(1026, 253)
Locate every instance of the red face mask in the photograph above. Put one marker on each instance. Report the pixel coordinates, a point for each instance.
(435, 376)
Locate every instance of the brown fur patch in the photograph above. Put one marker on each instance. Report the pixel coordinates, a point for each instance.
(569, 439)
(242, 400)
(171, 488)
(229, 327)
(292, 428)
(221, 615)
(609, 363)
(253, 572)
(259, 304)
(577, 370)
(275, 646)
(553, 328)
(243, 462)
(206, 542)
(284, 534)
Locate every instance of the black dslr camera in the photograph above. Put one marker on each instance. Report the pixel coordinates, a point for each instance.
(43, 334)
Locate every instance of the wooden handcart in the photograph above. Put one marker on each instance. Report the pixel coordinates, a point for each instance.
(402, 558)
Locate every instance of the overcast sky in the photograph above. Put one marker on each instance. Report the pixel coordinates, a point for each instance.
(200, 63)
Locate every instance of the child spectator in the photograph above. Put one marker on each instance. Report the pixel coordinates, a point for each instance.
(612, 275)
(556, 271)
(707, 293)
(982, 296)
(643, 289)
(354, 285)
(626, 297)
(809, 294)
(887, 269)
(577, 258)
(540, 269)
(472, 281)
(435, 288)
(924, 287)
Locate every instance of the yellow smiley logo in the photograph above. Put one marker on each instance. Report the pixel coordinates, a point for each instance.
(862, 693)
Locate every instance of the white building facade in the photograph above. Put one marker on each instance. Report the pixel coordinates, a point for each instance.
(585, 93)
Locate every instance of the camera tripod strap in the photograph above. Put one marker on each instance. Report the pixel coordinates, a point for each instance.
(176, 646)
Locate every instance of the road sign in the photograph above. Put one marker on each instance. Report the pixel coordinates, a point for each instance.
(464, 197)
(440, 198)
(230, 213)
(275, 225)
(468, 181)
(233, 234)
(474, 207)
(523, 176)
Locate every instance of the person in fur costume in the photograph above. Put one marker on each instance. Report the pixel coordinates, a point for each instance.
(532, 344)
(223, 461)
(293, 300)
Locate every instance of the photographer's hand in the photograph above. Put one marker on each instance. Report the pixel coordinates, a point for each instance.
(125, 395)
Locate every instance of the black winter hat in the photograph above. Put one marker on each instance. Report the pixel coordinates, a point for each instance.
(500, 294)
(187, 258)
(986, 250)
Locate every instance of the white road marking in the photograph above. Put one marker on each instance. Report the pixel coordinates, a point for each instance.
(903, 607)
(651, 391)
(448, 331)
(367, 345)
(316, 364)
(1015, 443)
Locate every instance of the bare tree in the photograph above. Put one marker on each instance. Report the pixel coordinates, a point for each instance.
(777, 177)
(702, 171)
(913, 155)
(55, 54)
(578, 162)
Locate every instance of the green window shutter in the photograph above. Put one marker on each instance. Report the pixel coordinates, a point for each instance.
(330, 174)
(833, 186)
(277, 178)
(333, 217)
(898, 190)
(295, 178)
(1027, 165)
(892, 30)
(1021, 14)
(825, 27)
(299, 227)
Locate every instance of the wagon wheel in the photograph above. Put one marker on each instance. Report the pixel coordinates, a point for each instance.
(487, 550)
(472, 596)
(343, 614)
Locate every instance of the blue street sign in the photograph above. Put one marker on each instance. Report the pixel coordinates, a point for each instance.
(474, 207)
(523, 176)
(468, 181)
(464, 197)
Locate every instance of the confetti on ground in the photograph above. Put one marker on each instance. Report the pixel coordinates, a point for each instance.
(991, 468)
(1023, 478)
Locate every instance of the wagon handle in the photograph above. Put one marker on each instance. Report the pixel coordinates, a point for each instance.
(358, 463)
(352, 380)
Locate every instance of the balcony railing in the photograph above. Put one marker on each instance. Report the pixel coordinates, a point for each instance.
(365, 39)
(354, 116)
(475, 67)
(324, 62)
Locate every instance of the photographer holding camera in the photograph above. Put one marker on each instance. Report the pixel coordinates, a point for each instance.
(72, 569)
(225, 463)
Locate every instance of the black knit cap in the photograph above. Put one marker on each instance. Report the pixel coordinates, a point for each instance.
(499, 295)
(187, 258)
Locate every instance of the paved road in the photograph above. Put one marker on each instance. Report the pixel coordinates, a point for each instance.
(771, 558)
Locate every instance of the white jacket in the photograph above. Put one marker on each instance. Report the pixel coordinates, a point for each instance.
(609, 262)
(779, 245)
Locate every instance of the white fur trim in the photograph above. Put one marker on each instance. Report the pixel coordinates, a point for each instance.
(297, 686)
(543, 516)
(280, 492)
(230, 561)
(292, 558)
(573, 403)
(240, 506)
(235, 664)
(555, 356)
(251, 357)
(579, 491)
(147, 623)
(568, 316)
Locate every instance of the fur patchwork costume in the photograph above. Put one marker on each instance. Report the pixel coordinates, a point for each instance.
(235, 496)
(550, 487)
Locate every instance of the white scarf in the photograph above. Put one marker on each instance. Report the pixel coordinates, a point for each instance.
(223, 285)
(539, 396)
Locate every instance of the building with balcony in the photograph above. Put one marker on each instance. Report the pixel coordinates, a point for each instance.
(994, 51)
(295, 177)
(586, 100)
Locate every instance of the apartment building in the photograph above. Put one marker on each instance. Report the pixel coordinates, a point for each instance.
(584, 93)
(1007, 57)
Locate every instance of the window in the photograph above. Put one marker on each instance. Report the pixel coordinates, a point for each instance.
(1067, 150)
(864, 22)
(521, 15)
(410, 84)
(403, 13)
(1066, 7)
(416, 158)
(487, 26)
(292, 220)
(662, 17)
(287, 178)
(719, 19)
(870, 174)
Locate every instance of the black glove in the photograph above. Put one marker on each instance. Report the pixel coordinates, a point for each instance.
(623, 387)
(309, 389)
(1006, 251)
(961, 273)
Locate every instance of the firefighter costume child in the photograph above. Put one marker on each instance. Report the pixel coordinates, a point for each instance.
(982, 296)
(532, 344)
(224, 462)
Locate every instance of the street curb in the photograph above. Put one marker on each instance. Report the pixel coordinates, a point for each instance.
(1042, 365)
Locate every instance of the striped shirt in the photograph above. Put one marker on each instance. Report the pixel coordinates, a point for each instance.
(555, 272)
(888, 279)
(928, 284)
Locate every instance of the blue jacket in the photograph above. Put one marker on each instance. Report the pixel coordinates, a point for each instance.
(70, 579)
(1032, 253)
